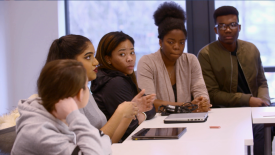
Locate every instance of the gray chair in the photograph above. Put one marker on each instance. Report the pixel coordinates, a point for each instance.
(7, 138)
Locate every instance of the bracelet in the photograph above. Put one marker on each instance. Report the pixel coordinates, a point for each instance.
(144, 115)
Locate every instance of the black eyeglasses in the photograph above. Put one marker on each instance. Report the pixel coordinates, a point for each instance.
(223, 27)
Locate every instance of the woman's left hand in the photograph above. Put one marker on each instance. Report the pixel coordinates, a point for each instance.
(203, 104)
(144, 103)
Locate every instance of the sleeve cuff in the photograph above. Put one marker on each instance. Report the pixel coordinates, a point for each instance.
(73, 115)
(244, 100)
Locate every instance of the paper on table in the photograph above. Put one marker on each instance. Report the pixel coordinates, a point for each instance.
(268, 114)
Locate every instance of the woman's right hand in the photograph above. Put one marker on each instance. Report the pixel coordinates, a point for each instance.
(203, 104)
(129, 109)
(64, 107)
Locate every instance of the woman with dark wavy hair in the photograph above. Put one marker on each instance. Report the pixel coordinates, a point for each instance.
(116, 80)
(174, 76)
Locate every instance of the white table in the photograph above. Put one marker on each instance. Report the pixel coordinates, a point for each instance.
(233, 137)
(258, 118)
(201, 147)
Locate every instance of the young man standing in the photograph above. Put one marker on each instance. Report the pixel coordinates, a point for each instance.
(233, 71)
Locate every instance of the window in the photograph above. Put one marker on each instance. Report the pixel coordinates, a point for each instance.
(257, 26)
(94, 19)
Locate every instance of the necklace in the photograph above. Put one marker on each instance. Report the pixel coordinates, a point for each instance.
(171, 73)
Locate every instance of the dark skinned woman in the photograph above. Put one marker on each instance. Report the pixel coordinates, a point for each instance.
(175, 77)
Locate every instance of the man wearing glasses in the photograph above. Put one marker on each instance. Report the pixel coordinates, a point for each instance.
(232, 70)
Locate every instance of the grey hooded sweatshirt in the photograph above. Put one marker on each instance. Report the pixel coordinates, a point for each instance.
(39, 132)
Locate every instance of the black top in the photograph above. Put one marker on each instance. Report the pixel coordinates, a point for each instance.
(110, 89)
(175, 91)
(242, 84)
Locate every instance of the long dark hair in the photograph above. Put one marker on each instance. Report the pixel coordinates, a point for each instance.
(106, 46)
(60, 79)
(67, 47)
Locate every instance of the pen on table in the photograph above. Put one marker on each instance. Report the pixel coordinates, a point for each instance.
(214, 127)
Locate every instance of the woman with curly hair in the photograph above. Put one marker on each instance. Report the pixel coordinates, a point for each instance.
(175, 77)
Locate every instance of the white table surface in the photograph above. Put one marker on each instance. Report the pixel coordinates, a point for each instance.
(259, 117)
(258, 112)
(201, 147)
(235, 133)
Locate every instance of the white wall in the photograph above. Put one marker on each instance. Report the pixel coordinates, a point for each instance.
(3, 56)
(27, 29)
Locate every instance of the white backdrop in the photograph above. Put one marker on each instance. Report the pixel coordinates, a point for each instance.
(27, 29)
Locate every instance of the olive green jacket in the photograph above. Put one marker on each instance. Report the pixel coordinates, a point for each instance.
(220, 73)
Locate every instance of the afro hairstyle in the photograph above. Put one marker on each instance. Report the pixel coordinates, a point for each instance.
(169, 16)
(225, 10)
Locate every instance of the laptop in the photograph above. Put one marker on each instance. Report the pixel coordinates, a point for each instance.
(186, 118)
(159, 133)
